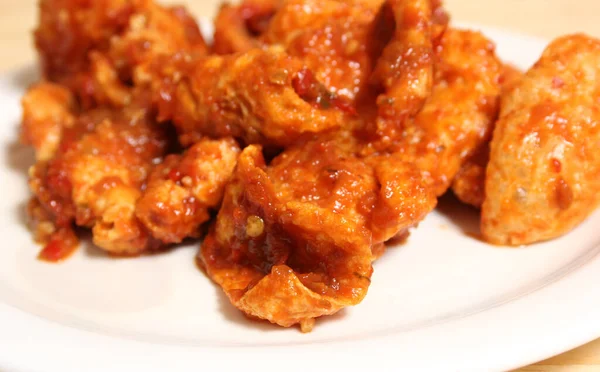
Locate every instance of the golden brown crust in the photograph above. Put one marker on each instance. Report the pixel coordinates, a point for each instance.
(183, 188)
(238, 27)
(299, 198)
(97, 144)
(98, 179)
(458, 116)
(332, 37)
(47, 109)
(293, 241)
(403, 200)
(469, 183)
(97, 48)
(405, 68)
(303, 262)
(542, 178)
(261, 97)
(96, 176)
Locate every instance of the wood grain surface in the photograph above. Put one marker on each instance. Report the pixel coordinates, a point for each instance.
(545, 18)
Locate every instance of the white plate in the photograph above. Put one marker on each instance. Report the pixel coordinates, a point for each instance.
(443, 300)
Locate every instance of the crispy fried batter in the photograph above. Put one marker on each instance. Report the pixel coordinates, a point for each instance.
(97, 48)
(262, 96)
(69, 29)
(333, 37)
(403, 200)
(294, 241)
(544, 170)
(457, 117)
(154, 31)
(238, 27)
(279, 252)
(183, 188)
(47, 108)
(469, 183)
(96, 176)
(316, 197)
(405, 69)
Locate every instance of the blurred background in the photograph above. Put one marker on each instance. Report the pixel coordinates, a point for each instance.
(545, 18)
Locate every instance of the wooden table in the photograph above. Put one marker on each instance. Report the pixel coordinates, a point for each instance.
(545, 18)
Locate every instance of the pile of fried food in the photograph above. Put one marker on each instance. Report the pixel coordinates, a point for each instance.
(315, 130)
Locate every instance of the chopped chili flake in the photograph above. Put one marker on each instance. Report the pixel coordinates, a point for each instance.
(60, 246)
(309, 89)
(174, 175)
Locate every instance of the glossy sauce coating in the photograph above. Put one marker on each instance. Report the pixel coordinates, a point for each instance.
(405, 68)
(459, 113)
(183, 188)
(249, 96)
(295, 240)
(238, 27)
(334, 38)
(469, 183)
(544, 171)
(96, 176)
(47, 109)
(94, 128)
(97, 48)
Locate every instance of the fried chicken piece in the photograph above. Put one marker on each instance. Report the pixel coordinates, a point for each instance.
(102, 86)
(183, 188)
(260, 97)
(543, 177)
(457, 117)
(469, 183)
(98, 48)
(295, 240)
(47, 108)
(69, 29)
(95, 178)
(278, 251)
(405, 69)
(99, 51)
(154, 31)
(404, 199)
(332, 37)
(238, 27)
(339, 40)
